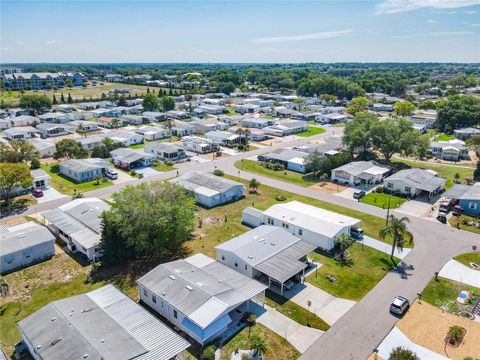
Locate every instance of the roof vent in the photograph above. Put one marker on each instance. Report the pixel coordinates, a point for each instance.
(21, 235)
(53, 319)
(163, 293)
(102, 340)
(262, 239)
(39, 346)
(56, 341)
(172, 277)
(177, 271)
(272, 243)
(250, 257)
(199, 283)
(189, 287)
(85, 356)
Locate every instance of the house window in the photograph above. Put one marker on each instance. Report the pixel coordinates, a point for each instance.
(236, 264)
(300, 232)
(223, 258)
(175, 314)
(285, 225)
(270, 221)
(145, 292)
(246, 266)
(472, 205)
(408, 188)
(154, 298)
(390, 185)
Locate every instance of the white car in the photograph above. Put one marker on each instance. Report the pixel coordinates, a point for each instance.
(399, 305)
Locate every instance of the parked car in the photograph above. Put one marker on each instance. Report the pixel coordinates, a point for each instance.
(21, 350)
(111, 174)
(442, 217)
(37, 193)
(359, 194)
(356, 232)
(445, 206)
(399, 305)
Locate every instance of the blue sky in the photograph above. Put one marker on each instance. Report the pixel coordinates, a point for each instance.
(240, 31)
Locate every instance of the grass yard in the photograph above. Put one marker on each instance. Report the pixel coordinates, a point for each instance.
(454, 220)
(443, 290)
(67, 186)
(362, 271)
(443, 170)
(444, 137)
(381, 200)
(466, 259)
(312, 130)
(137, 146)
(294, 311)
(277, 347)
(215, 230)
(342, 124)
(284, 175)
(161, 166)
(17, 204)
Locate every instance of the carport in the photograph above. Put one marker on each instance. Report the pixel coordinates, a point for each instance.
(432, 187)
(286, 264)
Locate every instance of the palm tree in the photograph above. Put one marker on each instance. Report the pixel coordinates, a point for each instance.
(343, 242)
(254, 184)
(81, 130)
(258, 344)
(168, 125)
(251, 319)
(244, 134)
(115, 123)
(400, 353)
(397, 230)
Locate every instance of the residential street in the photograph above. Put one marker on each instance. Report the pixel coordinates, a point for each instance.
(364, 326)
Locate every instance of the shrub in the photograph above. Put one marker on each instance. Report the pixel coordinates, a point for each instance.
(379, 189)
(218, 172)
(35, 164)
(104, 180)
(280, 198)
(169, 163)
(132, 173)
(208, 353)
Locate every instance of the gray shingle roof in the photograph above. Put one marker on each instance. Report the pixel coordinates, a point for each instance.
(24, 236)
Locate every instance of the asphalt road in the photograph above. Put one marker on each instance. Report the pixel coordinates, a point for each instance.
(361, 329)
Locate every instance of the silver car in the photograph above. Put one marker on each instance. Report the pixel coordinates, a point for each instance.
(399, 305)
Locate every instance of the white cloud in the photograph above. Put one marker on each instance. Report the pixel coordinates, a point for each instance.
(314, 36)
(397, 6)
(433, 33)
(20, 43)
(431, 21)
(475, 25)
(471, 12)
(50, 42)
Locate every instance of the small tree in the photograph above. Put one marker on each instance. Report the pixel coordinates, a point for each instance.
(343, 242)
(250, 320)
(254, 184)
(314, 162)
(69, 99)
(97, 180)
(35, 164)
(456, 177)
(150, 102)
(400, 353)
(13, 177)
(397, 230)
(258, 344)
(168, 103)
(218, 172)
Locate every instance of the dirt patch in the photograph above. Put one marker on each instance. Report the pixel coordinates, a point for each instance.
(61, 268)
(427, 325)
(328, 187)
(211, 220)
(15, 221)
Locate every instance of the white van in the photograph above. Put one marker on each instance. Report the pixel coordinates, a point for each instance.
(111, 174)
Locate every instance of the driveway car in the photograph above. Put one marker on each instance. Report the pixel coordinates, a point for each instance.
(359, 194)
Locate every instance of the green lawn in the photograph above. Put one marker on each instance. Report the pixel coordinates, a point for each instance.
(381, 200)
(454, 220)
(356, 277)
(443, 170)
(466, 259)
(137, 146)
(444, 137)
(277, 347)
(294, 311)
(161, 166)
(284, 175)
(442, 290)
(67, 186)
(342, 124)
(312, 131)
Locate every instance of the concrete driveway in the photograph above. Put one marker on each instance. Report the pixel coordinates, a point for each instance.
(328, 307)
(415, 208)
(146, 171)
(456, 271)
(49, 195)
(348, 193)
(123, 177)
(301, 337)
